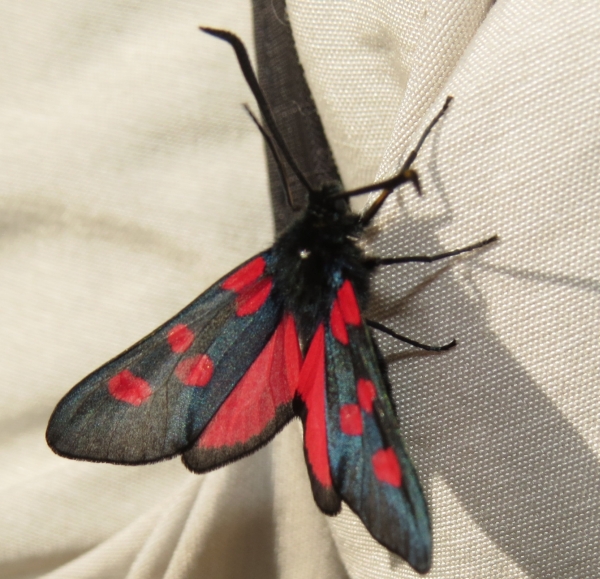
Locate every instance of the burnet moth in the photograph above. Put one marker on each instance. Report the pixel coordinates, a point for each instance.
(282, 335)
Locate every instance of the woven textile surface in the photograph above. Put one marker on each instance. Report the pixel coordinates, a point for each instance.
(130, 179)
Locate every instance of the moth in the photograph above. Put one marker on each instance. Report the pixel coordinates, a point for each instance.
(282, 335)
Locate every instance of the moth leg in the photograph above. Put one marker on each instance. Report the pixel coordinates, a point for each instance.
(405, 175)
(406, 340)
(377, 261)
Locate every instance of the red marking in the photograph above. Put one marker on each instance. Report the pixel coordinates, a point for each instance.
(345, 311)
(293, 356)
(244, 276)
(195, 371)
(311, 388)
(129, 388)
(386, 467)
(180, 338)
(365, 390)
(351, 420)
(336, 322)
(252, 300)
(348, 304)
(268, 384)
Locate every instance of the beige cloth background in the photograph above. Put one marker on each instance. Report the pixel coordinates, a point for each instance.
(130, 179)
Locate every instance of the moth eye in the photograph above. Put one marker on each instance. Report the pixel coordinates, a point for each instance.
(304, 254)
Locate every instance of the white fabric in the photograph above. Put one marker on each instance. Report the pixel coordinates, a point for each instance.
(130, 179)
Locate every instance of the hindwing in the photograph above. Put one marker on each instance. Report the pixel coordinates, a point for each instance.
(259, 406)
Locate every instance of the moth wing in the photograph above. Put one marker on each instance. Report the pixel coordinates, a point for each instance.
(369, 465)
(259, 406)
(153, 401)
(311, 407)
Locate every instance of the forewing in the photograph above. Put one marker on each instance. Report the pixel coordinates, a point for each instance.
(154, 400)
(369, 466)
(258, 407)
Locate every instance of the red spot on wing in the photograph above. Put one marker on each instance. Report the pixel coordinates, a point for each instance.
(127, 387)
(180, 338)
(268, 384)
(351, 420)
(246, 275)
(348, 304)
(253, 299)
(337, 324)
(311, 388)
(195, 371)
(366, 393)
(386, 467)
(345, 311)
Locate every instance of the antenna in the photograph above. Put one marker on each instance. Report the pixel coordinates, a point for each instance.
(250, 76)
